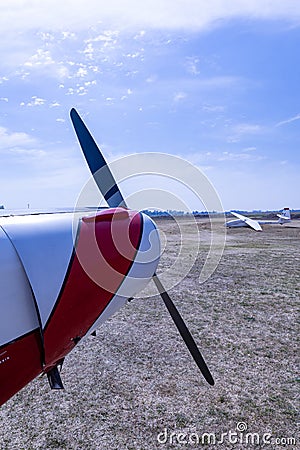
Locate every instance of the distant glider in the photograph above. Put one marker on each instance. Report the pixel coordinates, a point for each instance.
(243, 221)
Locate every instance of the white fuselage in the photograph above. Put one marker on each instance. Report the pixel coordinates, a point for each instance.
(236, 223)
(241, 223)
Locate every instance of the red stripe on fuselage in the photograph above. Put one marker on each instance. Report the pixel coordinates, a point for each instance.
(20, 362)
(106, 247)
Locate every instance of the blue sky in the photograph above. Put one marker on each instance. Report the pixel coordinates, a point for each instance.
(216, 83)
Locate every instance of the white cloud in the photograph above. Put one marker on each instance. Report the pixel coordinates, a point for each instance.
(230, 156)
(32, 152)
(46, 36)
(107, 36)
(151, 79)
(179, 96)
(81, 72)
(287, 121)
(163, 14)
(43, 61)
(68, 35)
(240, 130)
(90, 83)
(35, 101)
(219, 82)
(213, 108)
(247, 128)
(129, 92)
(40, 58)
(192, 65)
(9, 140)
(89, 50)
(79, 90)
(213, 158)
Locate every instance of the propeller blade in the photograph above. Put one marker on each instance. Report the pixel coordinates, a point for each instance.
(97, 164)
(110, 190)
(183, 330)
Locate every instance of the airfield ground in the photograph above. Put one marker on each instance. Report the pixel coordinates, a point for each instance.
(135, 386)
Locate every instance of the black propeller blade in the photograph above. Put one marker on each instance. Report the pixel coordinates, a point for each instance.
(183, 330)
(110, 190)
(97, 164)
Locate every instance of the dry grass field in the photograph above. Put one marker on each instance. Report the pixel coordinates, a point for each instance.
(135, 385)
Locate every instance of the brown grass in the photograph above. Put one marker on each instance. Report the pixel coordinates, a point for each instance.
(136, 379)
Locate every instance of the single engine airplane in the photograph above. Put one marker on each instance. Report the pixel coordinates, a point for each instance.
(56, 290)
(243, 221)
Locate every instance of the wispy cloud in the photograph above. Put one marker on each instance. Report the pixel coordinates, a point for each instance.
(230, 156)
(216, 82)
(213, 108)
(192, 65)
(25, 152)
(179, 96)
(241, 130)
(287, 121)
(10, 140)
(214, 158)
(249, 149)
(194, 15)
(247, 128)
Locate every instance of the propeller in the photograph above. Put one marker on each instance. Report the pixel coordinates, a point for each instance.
(103, 178)
(111, 192)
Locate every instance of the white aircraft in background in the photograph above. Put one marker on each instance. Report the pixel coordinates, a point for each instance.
(243, 221)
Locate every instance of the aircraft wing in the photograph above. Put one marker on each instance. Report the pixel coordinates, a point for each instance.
(283, 217)
(250, 222)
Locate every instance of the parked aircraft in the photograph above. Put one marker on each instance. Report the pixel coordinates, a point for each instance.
(243, 221)
(56, 290)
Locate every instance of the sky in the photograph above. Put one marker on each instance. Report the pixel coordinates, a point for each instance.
(215, 83)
